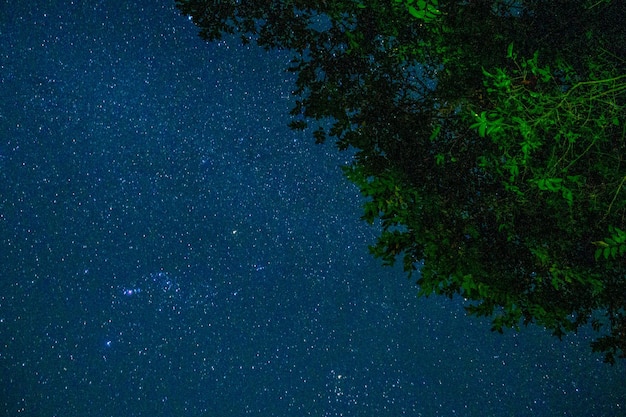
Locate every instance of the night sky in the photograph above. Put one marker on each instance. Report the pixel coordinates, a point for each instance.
(168, 247)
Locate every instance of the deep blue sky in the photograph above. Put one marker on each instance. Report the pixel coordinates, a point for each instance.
(169, 247)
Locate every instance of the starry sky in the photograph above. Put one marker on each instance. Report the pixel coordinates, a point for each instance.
(169, 247)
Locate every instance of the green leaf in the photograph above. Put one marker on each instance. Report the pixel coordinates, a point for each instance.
(433, 135)
(487, 73)
(481, 124)
(597, 254)
(420, 14)
(555, 283)
(433, 10)
(567, 195)
(541, 184)
(481, 129)
(495, 126)
(509, 51)
(550, 184)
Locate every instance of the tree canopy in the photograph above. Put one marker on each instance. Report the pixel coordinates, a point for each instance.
(489, 138)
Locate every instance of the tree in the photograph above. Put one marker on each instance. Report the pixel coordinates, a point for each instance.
(490, 139)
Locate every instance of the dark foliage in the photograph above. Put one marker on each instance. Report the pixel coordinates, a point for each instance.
(489, 138)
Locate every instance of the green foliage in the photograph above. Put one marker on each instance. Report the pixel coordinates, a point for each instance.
(393, 205)
(547, 127)
(489, 138)
(423, 10)
(613, 246)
